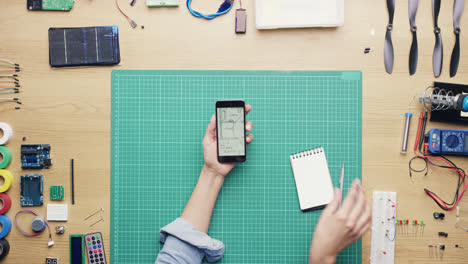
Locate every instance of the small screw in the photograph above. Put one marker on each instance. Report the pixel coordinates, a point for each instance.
(24, 138)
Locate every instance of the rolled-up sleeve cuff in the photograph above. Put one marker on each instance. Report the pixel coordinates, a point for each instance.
(213, 249)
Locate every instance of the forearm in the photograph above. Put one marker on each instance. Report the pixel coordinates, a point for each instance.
(200, 206)
(317, 256)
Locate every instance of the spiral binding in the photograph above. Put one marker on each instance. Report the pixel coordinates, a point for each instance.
(307, 153)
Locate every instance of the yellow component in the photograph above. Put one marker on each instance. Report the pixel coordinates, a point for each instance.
(8, 180)
(434, 136)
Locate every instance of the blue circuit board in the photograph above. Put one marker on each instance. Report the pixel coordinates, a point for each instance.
(35, 156)
(32, 190)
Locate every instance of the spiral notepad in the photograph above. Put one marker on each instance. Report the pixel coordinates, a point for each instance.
(313, 181)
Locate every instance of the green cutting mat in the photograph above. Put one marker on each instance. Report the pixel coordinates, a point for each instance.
(158, 122)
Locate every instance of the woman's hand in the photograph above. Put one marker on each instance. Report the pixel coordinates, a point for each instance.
(210, 147)
(339, 227)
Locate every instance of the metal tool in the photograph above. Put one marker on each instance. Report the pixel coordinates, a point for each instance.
(458, 6)
(436, 99)
(95, 213)
(102, 219)
(388, 46)
(404, 141)
(413, 57)
(437, 57)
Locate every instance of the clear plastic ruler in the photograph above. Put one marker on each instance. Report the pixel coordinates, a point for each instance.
(383, 228)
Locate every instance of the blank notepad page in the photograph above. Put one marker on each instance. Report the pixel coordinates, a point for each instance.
(313, 182)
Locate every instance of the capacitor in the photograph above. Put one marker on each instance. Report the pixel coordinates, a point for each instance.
(404, 140)
(38, 223)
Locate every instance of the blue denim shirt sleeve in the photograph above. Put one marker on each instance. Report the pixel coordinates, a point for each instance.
(183, 244)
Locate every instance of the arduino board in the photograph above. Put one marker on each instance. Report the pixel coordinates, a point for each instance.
(57, 5)
(31, 190)
(35, 156)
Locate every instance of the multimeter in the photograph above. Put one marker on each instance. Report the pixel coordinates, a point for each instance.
(448, 141)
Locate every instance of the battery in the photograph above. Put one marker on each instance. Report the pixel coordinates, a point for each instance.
(241, 20)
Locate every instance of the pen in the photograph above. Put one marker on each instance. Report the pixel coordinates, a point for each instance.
(341, 182)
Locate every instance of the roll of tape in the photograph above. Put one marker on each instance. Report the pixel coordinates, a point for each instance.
(6, 155)
(8, 178)
(6, 225)
(4, 248)
(7, 133)
(5, 198)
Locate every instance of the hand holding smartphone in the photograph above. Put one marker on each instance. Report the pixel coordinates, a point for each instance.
(230, 131)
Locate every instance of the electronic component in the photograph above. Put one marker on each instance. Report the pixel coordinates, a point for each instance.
(57, 212)
(241, 20)
(443, 234)
(72, 175)
(77, 251)
(101, 219)
(57, 5)
(38, 223)
(439, 215)
(59, 230)
(50, 260)
(57, 192)
(95, 248)
(223, 9)
(95, 213)
(35, 156)
(159, 3)
(448, 141)
(84, 46)
(31, 190)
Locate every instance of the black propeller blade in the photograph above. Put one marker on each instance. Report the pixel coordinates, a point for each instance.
(437, 57)
(413, 57)
(388, 46)
(458, 6)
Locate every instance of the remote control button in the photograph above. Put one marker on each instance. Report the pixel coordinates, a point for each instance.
(90, 252)
(100, 254)
(91, 256)
(99, 241)
(89, 243)
(90, 248)
(94, 247)
(98, 237)
(99, 246)
(95, 255)
(94, 242)
(88, 239)
(95, 251)
(101, 259)
(94, 238)
(92, 261)
(100, 250)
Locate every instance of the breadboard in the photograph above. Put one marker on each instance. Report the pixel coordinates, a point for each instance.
(158, 122)
(383, 228)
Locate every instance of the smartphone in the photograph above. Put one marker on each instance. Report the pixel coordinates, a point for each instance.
(230, 131)
(77, 253)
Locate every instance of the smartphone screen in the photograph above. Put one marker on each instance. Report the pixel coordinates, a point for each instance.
(230, 129)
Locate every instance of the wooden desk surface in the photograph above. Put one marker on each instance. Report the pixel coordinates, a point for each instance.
(70, 108)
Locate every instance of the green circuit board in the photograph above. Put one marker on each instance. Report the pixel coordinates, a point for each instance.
(63, 5)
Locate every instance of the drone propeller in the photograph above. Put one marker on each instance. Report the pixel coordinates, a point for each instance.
(413, 57)
(458, 6)
(437, 57)
(388, 46)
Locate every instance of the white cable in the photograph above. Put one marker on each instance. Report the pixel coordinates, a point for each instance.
(7, 133)
(8, 61)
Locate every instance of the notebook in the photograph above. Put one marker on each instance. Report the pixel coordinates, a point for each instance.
(313, 181)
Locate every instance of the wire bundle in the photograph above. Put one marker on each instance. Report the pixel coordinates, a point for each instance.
(223, 9)
(441, 162)
(50, 241)
(9, 83)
